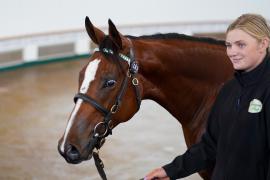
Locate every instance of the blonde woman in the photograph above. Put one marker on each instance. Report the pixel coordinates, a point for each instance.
(236, 143)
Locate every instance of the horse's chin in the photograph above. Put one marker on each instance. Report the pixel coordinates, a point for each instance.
(74, 161)
(87, 156)
(78, 161)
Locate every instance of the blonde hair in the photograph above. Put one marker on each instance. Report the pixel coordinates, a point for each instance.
(253, 24)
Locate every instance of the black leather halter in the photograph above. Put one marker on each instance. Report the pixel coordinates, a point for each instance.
(106, 125)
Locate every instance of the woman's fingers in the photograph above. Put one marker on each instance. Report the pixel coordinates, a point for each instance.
(157, 174)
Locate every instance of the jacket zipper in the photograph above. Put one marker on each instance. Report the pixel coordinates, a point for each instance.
(238, 107)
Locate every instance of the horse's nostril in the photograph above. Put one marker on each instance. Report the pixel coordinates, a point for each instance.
(72, 153)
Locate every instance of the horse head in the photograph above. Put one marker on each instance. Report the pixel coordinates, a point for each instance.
(108, 94)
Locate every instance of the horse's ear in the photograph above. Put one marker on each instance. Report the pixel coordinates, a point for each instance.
(115, 35)
(94, 33)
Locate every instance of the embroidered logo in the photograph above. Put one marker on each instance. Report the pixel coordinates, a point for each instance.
(255, 106)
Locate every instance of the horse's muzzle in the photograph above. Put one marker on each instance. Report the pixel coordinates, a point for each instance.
(71, 154)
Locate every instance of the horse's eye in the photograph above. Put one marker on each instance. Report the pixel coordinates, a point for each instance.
(110, 83)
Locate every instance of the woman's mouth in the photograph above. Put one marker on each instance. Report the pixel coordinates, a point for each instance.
(236, 60)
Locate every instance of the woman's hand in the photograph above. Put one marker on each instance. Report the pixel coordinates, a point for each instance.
(157, 174)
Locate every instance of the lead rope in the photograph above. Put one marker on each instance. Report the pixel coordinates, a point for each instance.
(99, 165)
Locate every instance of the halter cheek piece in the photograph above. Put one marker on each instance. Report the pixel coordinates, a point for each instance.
(106, 125)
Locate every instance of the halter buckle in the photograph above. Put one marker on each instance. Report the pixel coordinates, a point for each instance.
(114, 108)
(135, 81)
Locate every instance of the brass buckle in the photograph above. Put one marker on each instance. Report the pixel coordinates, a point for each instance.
(135, 81)
(114, 108)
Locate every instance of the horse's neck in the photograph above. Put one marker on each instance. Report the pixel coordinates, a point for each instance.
(180, 79)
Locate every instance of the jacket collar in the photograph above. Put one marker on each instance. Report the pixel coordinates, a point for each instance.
(252, 77)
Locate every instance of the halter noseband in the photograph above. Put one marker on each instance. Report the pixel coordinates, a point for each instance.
(98, 139)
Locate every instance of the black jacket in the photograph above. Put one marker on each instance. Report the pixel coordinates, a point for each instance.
(237, 138)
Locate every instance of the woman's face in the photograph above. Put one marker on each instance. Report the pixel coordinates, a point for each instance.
(244, 51)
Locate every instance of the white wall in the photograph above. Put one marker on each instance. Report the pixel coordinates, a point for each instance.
(21, 17)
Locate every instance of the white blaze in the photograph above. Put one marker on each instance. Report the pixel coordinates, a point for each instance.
(89, 76)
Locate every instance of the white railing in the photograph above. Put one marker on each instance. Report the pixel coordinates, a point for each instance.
(29, 45)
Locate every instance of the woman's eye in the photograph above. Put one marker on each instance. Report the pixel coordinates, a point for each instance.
(241, 45)
(109, 83)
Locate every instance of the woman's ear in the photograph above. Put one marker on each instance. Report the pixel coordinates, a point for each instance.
(264, 44)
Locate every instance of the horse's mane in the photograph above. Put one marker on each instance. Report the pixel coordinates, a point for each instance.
(179, 36)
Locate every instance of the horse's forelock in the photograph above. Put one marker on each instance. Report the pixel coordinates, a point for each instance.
(109, 44)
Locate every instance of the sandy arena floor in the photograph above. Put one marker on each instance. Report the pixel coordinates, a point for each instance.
(35, 105)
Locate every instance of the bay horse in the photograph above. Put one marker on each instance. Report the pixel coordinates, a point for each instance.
(181, 73)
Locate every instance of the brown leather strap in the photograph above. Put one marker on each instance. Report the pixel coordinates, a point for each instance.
(99, 165)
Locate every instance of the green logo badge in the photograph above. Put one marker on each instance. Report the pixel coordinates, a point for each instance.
(255, 106)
